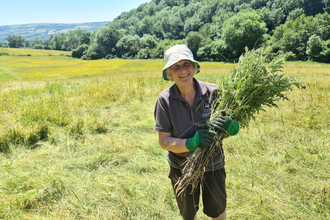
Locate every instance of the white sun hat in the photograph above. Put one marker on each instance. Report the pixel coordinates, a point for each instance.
(176, 53)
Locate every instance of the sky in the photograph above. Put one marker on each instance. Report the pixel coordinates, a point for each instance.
(63, 11)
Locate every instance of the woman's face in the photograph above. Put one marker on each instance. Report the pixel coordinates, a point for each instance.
(182, 72)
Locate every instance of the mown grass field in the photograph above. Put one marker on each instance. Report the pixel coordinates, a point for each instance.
(77, 142)
(33, 52)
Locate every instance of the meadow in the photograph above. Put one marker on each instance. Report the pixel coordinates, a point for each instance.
(77, 142)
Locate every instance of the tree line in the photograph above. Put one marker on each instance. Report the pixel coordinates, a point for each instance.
(215, 30)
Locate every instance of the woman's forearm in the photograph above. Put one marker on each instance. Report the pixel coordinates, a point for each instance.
(174, 145)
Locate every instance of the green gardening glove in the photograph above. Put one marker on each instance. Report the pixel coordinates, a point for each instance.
(203, 137)
(224, 123)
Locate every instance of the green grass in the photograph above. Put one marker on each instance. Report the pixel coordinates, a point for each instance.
(82, 145)
(50, 65)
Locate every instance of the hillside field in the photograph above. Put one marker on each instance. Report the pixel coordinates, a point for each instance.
(77, 142)
(45, 30)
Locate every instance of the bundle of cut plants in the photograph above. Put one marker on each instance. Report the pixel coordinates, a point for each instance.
(255, 82)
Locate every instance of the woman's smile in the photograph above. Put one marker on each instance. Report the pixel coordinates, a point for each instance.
(184, 75)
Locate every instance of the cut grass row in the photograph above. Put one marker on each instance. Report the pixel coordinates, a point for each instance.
(32, 52)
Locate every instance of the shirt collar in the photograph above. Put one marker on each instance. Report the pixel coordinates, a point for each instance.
(175, 92)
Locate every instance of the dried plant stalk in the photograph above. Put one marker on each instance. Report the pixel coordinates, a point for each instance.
(256, 81)
(193, 172)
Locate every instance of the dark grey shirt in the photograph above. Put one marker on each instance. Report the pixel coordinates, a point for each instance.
(174, 114)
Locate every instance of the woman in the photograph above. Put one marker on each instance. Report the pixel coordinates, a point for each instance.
(181, 113)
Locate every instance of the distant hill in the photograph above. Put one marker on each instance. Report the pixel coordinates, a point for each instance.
(44, 30)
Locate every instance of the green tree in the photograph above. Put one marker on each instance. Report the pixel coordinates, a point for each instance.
(128, 46)
(295, 42)
(165, 24)
(38, 41)
(176, 25)
(171, 3)
(293, 15)
(272, 18)
(204, 53)
(151, 8)
(144, 53)
(158, 52)
(216, 27)
(288, 5)
(72, 39)
(294, 35)
(85, 38)
(192, 24)
(71, 42)
(16, 41)
(214, 51)
(78, 53)
(95, 51)
(4, 44)
(134, 25)
(185, 13)
(146, 25)
(48, 43)
(157, 30)
(257, 4)
(38, 46)
(193, 41)
(58, 42)
(322, 24)
(206, 13)
(105, 42)
(325, 53)
(314, 48)
(148, 41)
(243, 30)
(312, 7)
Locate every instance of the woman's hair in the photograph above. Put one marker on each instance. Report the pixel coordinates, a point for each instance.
(168, 70)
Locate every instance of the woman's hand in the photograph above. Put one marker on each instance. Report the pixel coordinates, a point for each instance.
(203, 137)
(225, 124)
